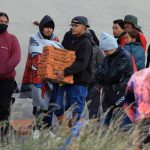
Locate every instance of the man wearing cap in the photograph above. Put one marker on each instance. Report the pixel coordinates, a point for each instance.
(81, 69)
(113, 75)
(130, 24)
(93, 93)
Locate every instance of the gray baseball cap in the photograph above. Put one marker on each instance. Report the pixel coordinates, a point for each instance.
(80, 20)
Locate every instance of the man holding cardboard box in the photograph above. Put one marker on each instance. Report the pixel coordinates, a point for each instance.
(32, 85)
(81, 69)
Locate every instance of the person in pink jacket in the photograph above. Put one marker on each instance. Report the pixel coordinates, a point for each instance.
(137, 103)
(10, 54)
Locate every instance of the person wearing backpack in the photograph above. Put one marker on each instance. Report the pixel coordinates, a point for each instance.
(81, 69)
(97, 57)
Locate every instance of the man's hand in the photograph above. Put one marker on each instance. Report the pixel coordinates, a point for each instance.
(60, 75)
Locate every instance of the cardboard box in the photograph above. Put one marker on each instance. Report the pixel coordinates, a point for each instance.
(54, 59)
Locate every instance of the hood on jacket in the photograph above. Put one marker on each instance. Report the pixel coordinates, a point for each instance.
(46, 21)
(85, 35)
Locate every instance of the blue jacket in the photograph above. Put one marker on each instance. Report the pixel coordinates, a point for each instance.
(137, 51)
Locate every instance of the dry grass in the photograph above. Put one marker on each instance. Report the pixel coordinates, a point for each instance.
(93, 136)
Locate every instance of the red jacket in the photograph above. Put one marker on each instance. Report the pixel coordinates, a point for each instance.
(143, 41)
(121, 40)
(10, 55)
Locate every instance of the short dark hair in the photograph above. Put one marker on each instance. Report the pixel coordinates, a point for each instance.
(135, 34)
(4, 15)
(120, 22)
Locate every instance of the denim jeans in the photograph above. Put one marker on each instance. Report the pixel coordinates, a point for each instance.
(68, 95)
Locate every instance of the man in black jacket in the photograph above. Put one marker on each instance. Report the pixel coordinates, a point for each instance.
(81, 69)
(93, 94)
(113, 75)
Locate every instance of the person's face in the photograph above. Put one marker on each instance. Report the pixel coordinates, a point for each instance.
(3, 20)
(128, 38)
(77, 29)
(117, 30)
(128, 27)
(109, 52)
(47, 31)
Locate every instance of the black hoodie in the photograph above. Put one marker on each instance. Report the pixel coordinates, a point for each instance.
(46, 21)
(81, 69)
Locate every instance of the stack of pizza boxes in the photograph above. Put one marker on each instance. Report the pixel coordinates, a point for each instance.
(54, 59)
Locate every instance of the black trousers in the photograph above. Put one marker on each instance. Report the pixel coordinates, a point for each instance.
(6, 91)
(94, 107)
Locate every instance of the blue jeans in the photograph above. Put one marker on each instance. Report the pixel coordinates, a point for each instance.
(68, 95)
